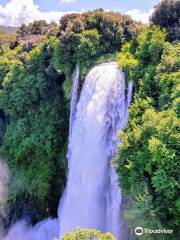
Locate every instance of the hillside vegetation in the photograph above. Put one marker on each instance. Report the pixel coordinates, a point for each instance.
(148, 158)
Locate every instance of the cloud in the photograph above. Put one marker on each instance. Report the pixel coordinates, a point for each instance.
(138, 15)
(67, 1)
(16, 12)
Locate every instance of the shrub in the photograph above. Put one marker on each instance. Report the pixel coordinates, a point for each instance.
(85, 234)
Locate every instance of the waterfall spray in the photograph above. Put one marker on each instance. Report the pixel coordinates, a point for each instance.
(4, 181)
(74, 96)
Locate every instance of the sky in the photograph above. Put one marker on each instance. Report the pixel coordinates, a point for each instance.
(16, 12)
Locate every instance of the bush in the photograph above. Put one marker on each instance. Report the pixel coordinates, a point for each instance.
(85, 234)
(126, 61)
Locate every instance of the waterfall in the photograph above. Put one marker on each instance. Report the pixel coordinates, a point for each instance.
(74, 96)
(92, 196)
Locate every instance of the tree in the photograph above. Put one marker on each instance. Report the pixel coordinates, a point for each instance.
(113, 28)
(38, 27)
(166, 14)
(74, 19)
(88, 48)
(64, 51)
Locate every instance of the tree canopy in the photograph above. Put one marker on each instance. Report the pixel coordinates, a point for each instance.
(166, 14)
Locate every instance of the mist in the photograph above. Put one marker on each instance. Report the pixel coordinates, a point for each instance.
(4, 181)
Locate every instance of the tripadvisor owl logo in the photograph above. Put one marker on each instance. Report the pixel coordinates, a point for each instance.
(139, 231)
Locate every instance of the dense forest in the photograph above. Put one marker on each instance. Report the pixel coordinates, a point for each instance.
(36, 65)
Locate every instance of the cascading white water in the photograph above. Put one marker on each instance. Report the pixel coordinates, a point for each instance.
(92, 197)
(74, 96)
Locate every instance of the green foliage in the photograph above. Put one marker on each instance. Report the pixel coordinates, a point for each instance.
(89, 43)
(85, 37)
(88, 48)
(110, 27)
(64, 52)
(127, 61)
(113, 28)
(76, 48)
(166, 14)
(139, 59)
(37, 112)
(148, 157)
(148, 164)
(85, 234)
(150, 45)
(169, 78)
(73, 21)
(67, 85)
